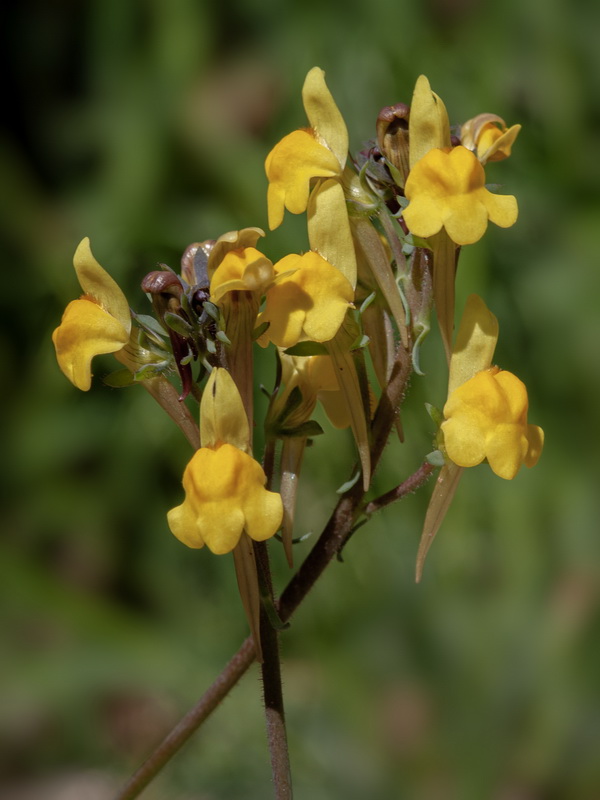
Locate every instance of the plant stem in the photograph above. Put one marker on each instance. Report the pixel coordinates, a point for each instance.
(409, 486)
(273, 693)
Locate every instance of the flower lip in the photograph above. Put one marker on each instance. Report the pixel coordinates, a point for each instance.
(446, 188)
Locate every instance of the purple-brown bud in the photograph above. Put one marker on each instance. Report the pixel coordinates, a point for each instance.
(392, 137)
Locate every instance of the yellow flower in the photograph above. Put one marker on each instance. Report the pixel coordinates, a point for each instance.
(290, 167)
(486, 418)
(315, 155)
(245, 269)
(225, 493)
(310, 303)
(488, 137)
(98, 322)
(447, 189)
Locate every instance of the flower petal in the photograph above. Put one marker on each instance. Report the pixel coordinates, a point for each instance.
(475, 342)
(290, 166)
(428, 125)
(323, 114)
(329, 230)
(86, 330)
(225, 495)
(96, 282)
(222, 414)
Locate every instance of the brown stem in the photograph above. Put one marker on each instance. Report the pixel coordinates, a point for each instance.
(272, 691)
(409, 486)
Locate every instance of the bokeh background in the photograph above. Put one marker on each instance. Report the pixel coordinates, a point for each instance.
(144, 125)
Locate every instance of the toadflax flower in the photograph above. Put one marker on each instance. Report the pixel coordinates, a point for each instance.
(446, 189)
(485, 417)
(488, 137)
(225, 493)
(305, 172)
(308, 301)
(98, 322)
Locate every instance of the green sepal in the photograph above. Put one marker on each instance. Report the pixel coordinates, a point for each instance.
(150, 371)
(435, 458)
(307, 349)
(435, 414)
(222, 337)
(416, 351)
(291, 404)
(349, 484)
(119, 379)
(212, 310)
(178, 324)
(367, 302)
(362, 342)
(149, 324)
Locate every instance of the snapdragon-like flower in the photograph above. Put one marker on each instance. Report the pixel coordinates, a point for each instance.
(488, 137)
(485, 417)
(486, 410)
(225, 493)
(98, 322)
(446, 189)
(245, 269)
(305, 172)
(309, 301)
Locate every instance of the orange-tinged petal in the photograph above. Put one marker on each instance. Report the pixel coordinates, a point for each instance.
(86, 330)
(290, 166)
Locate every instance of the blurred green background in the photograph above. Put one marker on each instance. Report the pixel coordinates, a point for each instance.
(144, 125)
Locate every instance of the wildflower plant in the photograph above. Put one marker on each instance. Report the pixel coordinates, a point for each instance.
(345, 321)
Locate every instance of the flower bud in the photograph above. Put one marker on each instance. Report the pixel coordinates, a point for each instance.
(392, 136)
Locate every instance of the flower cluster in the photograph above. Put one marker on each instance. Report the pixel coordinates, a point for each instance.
(346, 319)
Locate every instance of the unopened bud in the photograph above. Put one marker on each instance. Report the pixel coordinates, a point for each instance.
(392, 136)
